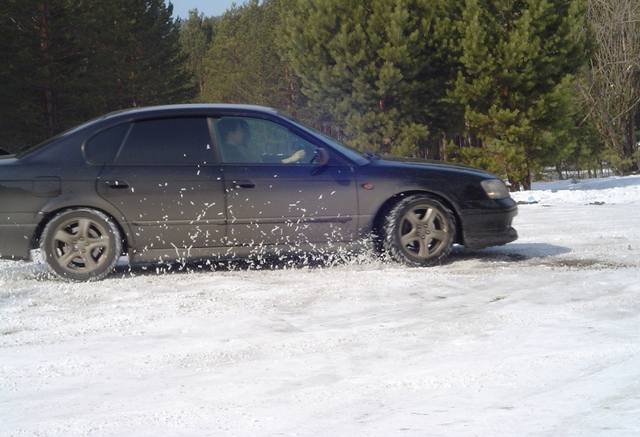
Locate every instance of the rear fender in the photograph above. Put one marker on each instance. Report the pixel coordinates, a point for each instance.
(86, 201)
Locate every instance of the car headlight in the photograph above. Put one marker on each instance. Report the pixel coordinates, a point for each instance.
(495, 188)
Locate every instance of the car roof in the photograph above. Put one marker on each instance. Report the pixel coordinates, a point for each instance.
(190, 107)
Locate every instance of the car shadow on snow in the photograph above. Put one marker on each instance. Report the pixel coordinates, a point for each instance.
(514, 252)
(535, 255)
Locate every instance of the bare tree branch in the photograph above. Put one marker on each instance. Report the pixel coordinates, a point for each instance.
(611, 87)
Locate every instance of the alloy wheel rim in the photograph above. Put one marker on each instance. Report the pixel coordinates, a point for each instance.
(80, 245)
(424, 232)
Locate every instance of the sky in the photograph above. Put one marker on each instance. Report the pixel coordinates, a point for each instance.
(208, 7)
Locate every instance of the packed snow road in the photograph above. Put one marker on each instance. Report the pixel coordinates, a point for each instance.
(540, 337)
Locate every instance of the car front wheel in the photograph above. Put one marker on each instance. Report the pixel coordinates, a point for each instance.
(419, 231)
(81, 244)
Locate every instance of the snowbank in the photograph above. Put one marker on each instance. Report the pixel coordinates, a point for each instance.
(615, 190)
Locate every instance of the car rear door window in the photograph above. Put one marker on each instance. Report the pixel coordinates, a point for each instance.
(169, 141)
(103, 147)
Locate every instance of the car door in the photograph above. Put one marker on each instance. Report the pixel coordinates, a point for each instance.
(273, 199)
(167, 184)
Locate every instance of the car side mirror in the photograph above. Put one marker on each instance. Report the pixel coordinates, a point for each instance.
(320, 157)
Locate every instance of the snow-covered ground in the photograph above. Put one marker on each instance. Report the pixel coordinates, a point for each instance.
(540, 337)
(616, 190)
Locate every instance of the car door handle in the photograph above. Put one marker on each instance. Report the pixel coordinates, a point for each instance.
(243, 184)
(117, 184)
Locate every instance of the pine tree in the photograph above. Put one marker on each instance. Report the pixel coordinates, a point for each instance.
(45, 74)
(243, 64)
(148, 62)
(519, 61)
(379, 68)
(71, 60)
(21, 121)
(196, 33)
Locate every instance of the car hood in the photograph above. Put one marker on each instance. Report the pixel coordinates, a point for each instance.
(418, 164)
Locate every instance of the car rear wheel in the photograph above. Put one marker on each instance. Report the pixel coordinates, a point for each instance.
(419, 231)
(81, 245)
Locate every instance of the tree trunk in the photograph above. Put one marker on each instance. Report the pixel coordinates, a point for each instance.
(631, 144)
(291, 91)
(45, 51)
(528, 177)
(559, 171)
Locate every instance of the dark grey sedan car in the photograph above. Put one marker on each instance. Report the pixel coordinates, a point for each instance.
(190, 182)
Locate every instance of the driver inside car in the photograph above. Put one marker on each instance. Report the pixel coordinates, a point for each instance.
(235, 135)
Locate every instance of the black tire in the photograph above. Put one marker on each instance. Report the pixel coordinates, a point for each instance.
(419, 231)
(81, 244)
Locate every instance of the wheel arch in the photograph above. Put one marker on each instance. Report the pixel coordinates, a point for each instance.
(50, 213)
(387, 206)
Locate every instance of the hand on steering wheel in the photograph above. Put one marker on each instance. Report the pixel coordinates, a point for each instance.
(297, 156)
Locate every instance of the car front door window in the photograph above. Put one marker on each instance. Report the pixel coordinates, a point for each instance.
(245, 140)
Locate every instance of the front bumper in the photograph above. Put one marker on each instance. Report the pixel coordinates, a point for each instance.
(490, 227)
(479, 241)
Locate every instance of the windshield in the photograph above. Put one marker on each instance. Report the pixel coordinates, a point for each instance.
(350, 153)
